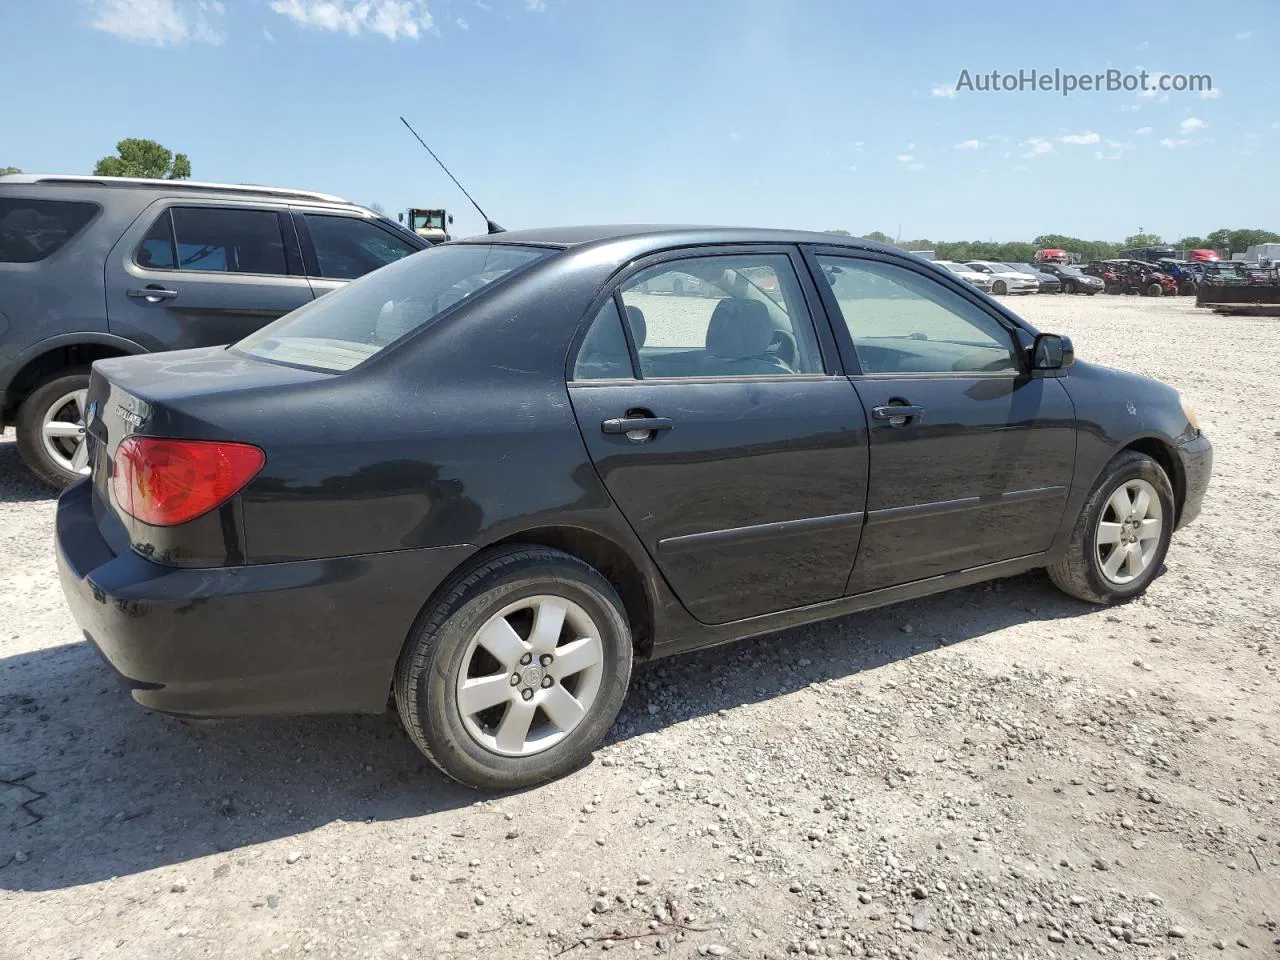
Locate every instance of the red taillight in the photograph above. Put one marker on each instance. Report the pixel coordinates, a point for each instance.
(165, 482)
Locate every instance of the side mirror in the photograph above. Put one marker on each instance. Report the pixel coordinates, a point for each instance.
(1052, 351)
(401, 216)
(451, 218)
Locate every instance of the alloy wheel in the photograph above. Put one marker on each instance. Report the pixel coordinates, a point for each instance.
(62, 431)
(530, 675)
(1128, 535)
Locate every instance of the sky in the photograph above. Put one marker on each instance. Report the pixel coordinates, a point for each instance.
(812, 114)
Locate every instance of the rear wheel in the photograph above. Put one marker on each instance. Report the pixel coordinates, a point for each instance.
(516, 673)
(1154, 290)
(51, 428)
(1122, 535)
(1187, 288)
(999, 287)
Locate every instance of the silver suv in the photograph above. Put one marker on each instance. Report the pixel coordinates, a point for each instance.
(94, 267)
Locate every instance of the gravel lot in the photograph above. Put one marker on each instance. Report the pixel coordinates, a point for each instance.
(998, 771)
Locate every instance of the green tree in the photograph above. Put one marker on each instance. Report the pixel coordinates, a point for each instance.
(839, 233)
(378, 208)
(1192, 243)
(1238, 241)
(144, 158)
(878, 237)
(1141, 239)
(5, 171)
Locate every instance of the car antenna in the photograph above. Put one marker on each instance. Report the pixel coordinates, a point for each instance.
(489, 224)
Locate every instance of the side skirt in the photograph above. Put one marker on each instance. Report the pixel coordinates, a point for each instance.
(712, 636)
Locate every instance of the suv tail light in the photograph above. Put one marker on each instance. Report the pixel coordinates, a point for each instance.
(166, 482)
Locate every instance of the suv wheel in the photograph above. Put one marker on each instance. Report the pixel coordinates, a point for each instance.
(517, 671)
(51, 428)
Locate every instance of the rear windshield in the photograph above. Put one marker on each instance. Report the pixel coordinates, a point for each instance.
(31, 230)
(350, 325)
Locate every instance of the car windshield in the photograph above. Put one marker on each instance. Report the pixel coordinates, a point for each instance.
(348, 326)
(1021, 267)
(1069, 272)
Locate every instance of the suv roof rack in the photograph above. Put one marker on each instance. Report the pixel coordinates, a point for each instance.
(182, 184)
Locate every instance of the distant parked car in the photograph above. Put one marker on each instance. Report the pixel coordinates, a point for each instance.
(976, 277)
(96, 267)
(1004, 279)
(1073, 279)
(1049, 282)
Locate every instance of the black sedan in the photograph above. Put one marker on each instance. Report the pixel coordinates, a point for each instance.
(1049, 282)
(490, 477)
(1073, 279)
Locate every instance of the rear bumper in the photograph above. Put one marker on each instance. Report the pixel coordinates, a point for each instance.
(314, 636)
(1196, 457)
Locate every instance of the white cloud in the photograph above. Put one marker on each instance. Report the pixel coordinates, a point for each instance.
(1212, 94)
(1244, 35)
(1190, 124)
(391, 18)
(1080, 139)
(1172, 144)
(537, 6)
(1020, 168)
(462, 23)
(905, 157)
(1144, 44)
(735, 136)
(1275, 125)
(911, 145)
(969, 145)
(943, 90)
(159, 22)
(915, 167)
(1142, 131)
(1036, 146)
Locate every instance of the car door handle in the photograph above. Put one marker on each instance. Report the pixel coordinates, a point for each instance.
(154, 294)
(629, 424)
(895, 411)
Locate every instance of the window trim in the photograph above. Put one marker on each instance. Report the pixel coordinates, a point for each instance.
(828, 349)
(311, 260)
(844, 337)
(166, 211)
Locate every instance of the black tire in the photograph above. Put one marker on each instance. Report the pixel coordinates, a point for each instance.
(433, 656)
(999, 287)
(1187, 288)
(1155, 290)
(31, 420)
(1112, 288)
(1079, 572)
(1068, 286)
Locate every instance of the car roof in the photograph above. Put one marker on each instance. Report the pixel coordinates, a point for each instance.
(661, 236)
(195, 186)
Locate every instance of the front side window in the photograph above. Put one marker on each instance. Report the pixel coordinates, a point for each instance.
(351, 324)
(348, 247)
(31, 230)
(718, 316)
(216, 240)
(903, 322)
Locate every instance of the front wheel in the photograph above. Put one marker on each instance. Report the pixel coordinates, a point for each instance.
(51, 428)
(516, 673)
(1121, 536)
(1155, 290)
(1187, 288)
(999, 287)
(1069, 287)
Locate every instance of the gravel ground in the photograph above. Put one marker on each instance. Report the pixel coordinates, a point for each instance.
(998, 771)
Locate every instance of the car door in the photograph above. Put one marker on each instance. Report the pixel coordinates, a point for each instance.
(195, 273)
(716, 416)
(971, 452)
(337, 248)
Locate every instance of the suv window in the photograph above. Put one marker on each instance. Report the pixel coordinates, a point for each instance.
(217, 239)
(348, 247)
(903, 322)
(731, 315)
(31, 230)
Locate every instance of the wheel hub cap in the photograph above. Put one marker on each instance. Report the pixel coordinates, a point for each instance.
(1129, 531)
(529, 676)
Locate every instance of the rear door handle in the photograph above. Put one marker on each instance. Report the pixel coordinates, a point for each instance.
(153, 294)
(896, 411)
(629, 424)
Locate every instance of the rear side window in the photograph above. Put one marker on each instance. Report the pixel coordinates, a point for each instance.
(351, 324)
(31, 230)
(347, 247)
(215, 239)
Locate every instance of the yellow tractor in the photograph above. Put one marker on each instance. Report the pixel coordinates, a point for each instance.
(431, 225)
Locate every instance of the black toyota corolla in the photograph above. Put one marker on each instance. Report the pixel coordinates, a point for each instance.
(488, 478)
